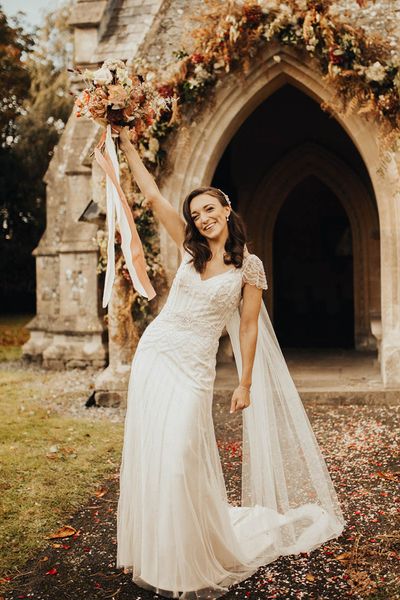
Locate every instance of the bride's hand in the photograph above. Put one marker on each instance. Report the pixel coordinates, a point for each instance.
(124, 136)
(240, 399)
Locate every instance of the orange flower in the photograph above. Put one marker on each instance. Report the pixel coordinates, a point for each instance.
(97, 104)
(128, 111)
(139, 127)
(117, 96)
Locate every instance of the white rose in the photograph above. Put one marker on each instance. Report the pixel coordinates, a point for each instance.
(88, 74)
(113, 64)
(375, 72)
(219, 65)
(154, 145)
(102, 76)
(150, 156)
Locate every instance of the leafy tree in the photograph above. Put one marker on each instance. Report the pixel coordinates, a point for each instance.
(14, 75)
(35, 132)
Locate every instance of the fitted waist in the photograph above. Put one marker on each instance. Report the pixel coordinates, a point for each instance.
(198, 324)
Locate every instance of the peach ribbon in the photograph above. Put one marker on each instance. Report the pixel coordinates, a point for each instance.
(131, 245)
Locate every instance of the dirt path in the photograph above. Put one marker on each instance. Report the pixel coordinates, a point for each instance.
(361, 448)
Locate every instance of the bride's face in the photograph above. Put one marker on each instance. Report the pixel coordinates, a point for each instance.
(209, 216)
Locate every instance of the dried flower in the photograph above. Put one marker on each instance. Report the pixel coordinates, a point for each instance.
(117, 96)
(97, 103)
(113, 95)
(114, 64)
(375, 72)
(102, 76)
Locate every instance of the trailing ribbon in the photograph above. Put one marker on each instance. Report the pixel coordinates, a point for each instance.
(131, 245)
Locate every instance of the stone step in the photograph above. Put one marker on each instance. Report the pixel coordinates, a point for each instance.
(332, 397)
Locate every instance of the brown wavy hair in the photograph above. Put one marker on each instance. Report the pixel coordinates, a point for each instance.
(197, 245)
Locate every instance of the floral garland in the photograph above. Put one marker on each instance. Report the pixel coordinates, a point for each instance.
(363, 71)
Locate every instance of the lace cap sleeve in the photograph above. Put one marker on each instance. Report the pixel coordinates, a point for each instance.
(253, 272)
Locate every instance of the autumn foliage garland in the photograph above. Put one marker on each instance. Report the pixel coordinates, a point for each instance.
(361, 69)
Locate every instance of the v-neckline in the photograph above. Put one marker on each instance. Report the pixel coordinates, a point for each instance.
(214, 276)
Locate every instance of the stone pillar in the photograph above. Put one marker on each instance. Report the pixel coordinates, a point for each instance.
(77, 327)
(89, 18)
(47, 304)
(112, 384)
(67, 330)
(390, 272)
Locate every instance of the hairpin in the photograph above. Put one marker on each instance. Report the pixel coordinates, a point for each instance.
(226, 197)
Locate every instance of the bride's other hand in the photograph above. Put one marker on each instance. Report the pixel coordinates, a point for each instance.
(240, 399)
(125, 136)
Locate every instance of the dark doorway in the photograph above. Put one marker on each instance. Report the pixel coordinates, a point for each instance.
(313, 270)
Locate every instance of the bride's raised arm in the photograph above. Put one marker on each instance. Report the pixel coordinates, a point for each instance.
(163, 210)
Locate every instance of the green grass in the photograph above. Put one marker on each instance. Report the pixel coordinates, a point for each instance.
(50, 464)
(13, 334)
(10, 353)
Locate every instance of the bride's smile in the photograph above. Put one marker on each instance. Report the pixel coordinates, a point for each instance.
(209, 216)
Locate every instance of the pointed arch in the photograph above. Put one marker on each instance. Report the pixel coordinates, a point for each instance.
(273, 189)
(197, 150)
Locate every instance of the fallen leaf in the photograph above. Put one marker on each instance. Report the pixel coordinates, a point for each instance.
(343, 557)
(43, 559)
(387, 475)
(100, 493)
(64, 531)
(67, 449)
(310, 577)
(52, 571)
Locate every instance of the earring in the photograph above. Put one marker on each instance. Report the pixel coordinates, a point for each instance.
(227, 218)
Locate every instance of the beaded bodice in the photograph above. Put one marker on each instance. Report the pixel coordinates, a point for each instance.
(193, 318)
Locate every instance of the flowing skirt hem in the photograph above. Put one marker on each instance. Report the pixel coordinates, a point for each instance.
(206, 593)
(216, 590)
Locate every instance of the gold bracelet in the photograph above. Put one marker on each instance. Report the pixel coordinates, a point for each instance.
(244, 387)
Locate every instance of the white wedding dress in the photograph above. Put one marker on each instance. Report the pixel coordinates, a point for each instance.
(176, 531)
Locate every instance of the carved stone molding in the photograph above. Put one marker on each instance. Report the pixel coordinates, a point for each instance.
(197, 149)
(263, 207)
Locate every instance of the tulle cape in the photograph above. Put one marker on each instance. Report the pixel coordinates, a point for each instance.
(283, 468)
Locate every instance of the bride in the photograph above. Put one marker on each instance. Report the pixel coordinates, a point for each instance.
(177, 533)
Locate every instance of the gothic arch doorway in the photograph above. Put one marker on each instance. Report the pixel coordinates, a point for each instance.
(286, 143)
(313, 269)
(197, 151)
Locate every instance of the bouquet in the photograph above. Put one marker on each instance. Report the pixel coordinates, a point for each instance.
(114, 96)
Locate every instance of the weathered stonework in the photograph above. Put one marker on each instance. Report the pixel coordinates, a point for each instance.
(69, 327)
